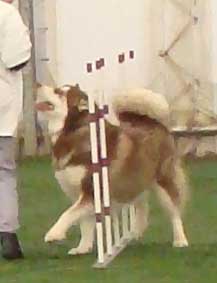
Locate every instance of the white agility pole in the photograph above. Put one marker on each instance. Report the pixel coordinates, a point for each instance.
(109, 249)
(112, 248)
(99, 66)
(103, 110)
(100, 174)
(125, 60)
(116, 227)
(133, 82)
(96, 184)
(96, 174)
(125, 222)
(132, 218)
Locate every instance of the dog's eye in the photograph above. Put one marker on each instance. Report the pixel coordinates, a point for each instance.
(61, 91)
(57, 91)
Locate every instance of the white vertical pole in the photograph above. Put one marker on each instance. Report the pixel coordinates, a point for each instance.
(132, 217)
(96, 176)
(100, 64)
(116, 227)
(105, 179)
(125, 221)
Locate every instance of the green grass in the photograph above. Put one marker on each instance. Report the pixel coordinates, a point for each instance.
(153, 260)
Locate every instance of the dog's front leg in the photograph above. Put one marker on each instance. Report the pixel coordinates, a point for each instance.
(87, 226)
(72, 215)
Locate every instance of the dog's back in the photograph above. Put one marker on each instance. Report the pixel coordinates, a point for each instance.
(144, 147)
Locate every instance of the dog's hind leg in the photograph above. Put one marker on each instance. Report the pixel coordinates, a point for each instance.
(171, 190)
(82, 208)
(141, 215)
(87, 227)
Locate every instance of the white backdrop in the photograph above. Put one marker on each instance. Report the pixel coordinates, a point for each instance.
(83, 31)
(88, 30)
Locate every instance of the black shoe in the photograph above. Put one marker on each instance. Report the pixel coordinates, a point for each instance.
(10, 246)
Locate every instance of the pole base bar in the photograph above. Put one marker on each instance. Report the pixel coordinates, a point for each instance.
(117, 250)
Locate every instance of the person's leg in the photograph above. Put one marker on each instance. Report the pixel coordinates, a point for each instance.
(8, 200)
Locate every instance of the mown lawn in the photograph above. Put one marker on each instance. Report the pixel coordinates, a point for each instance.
(153, 260)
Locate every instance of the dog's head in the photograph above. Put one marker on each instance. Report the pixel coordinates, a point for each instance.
(55, 103)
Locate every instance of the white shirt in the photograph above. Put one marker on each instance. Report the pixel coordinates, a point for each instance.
(15, 49)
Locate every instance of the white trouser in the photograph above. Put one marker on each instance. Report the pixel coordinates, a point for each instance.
(8, 184)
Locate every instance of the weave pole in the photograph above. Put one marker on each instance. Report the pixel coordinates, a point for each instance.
(103, 110)
(110, 242)
(128, 211)
(96, 173)
(113, 242)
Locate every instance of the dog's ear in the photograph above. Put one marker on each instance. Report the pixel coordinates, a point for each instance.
(77, 86)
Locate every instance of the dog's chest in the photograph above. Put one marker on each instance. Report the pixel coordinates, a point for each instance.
(70, 179)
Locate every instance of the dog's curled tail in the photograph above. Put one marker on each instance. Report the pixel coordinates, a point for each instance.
(142, 102)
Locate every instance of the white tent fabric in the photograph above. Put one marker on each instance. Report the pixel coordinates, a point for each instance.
(183, 32)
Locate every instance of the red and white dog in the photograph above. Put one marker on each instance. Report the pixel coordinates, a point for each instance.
(141, 152)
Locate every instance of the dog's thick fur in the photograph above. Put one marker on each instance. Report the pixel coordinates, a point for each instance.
(141, 152)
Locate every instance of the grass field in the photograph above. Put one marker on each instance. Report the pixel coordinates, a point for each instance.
(152, 261)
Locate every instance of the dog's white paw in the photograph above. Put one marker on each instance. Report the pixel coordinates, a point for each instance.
(54, 234)
(180, 243)
(80, 250)
(139, 230)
